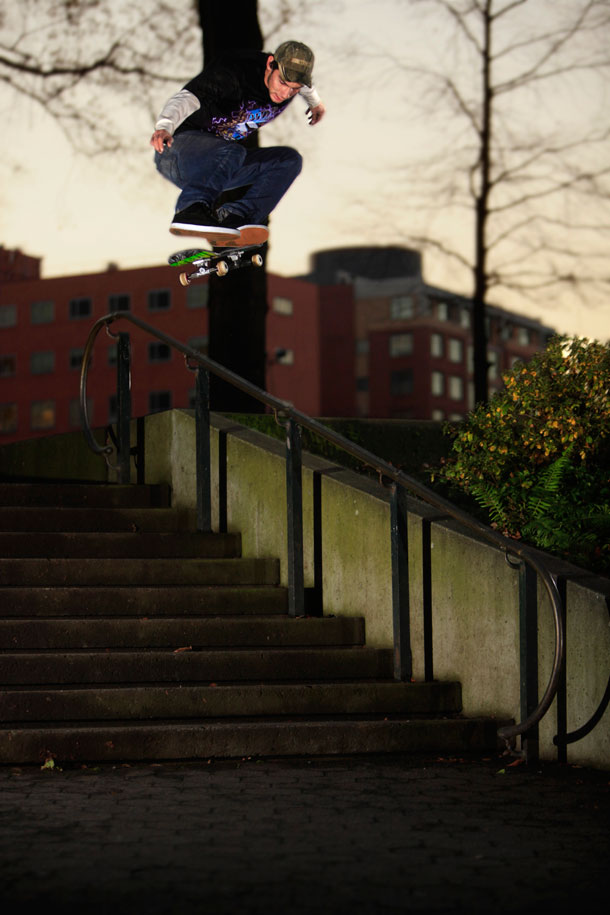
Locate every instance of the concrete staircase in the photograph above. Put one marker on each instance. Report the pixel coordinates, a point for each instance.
(125, 635)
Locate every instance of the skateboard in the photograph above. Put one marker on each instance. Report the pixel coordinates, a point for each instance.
(201, 263)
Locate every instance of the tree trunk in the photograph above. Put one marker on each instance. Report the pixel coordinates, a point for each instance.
(479, 331)
(238, 301)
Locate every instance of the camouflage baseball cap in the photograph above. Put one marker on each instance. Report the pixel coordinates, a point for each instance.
(295, 61)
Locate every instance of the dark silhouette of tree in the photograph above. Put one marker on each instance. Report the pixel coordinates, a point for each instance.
(238, 301)
(535, 186)
(80, 60)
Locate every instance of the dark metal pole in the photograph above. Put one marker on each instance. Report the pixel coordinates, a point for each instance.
(528, 646)
(426, 549)
(562, 688)
(123, 407)
(222, 481)
(202, 446)
(317, 592)
(294, 499)
(403, 663)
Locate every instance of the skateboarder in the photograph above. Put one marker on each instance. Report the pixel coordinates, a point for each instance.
(197, 138)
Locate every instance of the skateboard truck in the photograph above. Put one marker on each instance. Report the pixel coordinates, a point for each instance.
(206, 262)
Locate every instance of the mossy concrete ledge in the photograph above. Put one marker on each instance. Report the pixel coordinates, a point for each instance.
(475, 615)
(475, 592)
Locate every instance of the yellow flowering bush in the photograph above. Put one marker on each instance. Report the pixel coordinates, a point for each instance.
(537, 455)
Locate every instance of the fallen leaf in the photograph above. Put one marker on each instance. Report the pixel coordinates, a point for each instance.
(186, 648)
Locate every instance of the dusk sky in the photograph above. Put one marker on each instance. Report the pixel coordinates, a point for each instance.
(79, 214)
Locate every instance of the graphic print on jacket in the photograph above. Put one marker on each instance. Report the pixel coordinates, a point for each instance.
(233, 96)
(240, 123)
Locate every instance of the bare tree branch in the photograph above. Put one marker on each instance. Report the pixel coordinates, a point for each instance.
(539, 199)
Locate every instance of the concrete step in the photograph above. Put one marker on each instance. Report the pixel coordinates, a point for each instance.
(129, 520)
(129, 703)
(125, 635)
(151, 572)
(198, 632)
(141, 600)
(183, 666)
(119, 545)
(116, 742)
(81, 495)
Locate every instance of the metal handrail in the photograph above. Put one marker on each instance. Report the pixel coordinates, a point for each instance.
(285, 408)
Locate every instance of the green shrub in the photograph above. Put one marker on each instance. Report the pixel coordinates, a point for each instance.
(537, 456)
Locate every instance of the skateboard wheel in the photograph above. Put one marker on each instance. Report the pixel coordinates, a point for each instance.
(184, 280)
(257, 260)
(222, 268)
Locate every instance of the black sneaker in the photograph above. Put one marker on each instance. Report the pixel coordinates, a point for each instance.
(198, 219)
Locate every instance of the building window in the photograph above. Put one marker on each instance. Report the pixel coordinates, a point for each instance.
(442, 311)
(282, 305)
(8, 366)
(401, 306)
(401, 383)
(493, 362)
(42, 312)
(456, 350)
(401, 344)
(362, 384)
(159, 352)
(437, 415)
(159, 300)
(159, 400)
(523, 336)
(456, 387)
(42, 363)
(437, 347)
(42, 414)
(363, 347)
(8, 417)
(8, 315)
(284, 356)
(197, 295)
(80, 308)
(437, 384)
(74, 415)
(465, 317)
(119, 302)
(76, 358)
(200, 344)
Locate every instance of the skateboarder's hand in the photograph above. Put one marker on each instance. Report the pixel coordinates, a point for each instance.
(316, 114)
(160, 139)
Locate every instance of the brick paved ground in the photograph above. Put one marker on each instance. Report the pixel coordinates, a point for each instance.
(375, 835)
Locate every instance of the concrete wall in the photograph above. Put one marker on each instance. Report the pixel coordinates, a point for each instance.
(475, 591)
(55, 457)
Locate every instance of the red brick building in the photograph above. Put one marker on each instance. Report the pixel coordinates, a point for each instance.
(412, 341)
(360, 336)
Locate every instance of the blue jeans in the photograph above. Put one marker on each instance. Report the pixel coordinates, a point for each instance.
(204, 166)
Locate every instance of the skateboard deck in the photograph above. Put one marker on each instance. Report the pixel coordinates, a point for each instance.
(257, 235)
(199, 263)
